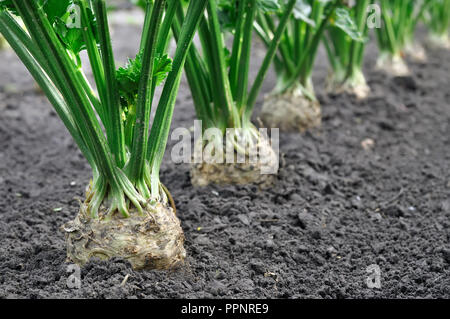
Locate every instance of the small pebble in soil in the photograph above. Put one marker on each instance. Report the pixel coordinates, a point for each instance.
(367, 144)
(305, 219)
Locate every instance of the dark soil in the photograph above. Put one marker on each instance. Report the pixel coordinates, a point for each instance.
(336, 208)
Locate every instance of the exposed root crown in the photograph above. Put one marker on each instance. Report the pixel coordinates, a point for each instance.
(393, 65)
(416, 52)
(356, 85)
(250, 172)
(291, 111)
(152, 241)
(435, 41)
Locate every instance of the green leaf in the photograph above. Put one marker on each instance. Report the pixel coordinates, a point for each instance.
(9, 6)
(56, 8)
(227, 55)
(128, 80)
(128, 77)
(53, 8)
(69, 30)
(72, 38)
(343, 20)
(228, 14)
(162, 67)
(65, 19)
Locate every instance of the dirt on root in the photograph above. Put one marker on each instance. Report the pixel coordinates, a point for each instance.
(370, 187)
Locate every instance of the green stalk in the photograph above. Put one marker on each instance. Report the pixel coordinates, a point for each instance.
(400, 20)
(287, 58)
(211, 72)
(160, 129)
(116, 136)
(50, 58)
(197, 76)
(237, 47)
(391, 38)
(438, 18)
(304, 66)
(221, 95)
(244, 61)
(218, 58)
(163, 37)
(147, 21)
(344, 50)
(65, 71)
(357, 48)
(144, 104)
(95, 59)
(43, 35)
(251, 101)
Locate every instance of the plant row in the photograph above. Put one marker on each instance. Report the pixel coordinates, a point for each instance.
(128, 212)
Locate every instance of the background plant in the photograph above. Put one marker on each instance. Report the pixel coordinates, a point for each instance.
(345, 42)
(292, 105)
(437, 18)
(299, 44)
(399, 21)
(219, 76)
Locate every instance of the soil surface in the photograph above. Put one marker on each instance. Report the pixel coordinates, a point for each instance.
(336, 207)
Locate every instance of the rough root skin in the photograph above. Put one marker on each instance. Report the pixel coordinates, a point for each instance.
(357, 87)
(152, 241)
(291, 111)
(393, 65)
(206, 173)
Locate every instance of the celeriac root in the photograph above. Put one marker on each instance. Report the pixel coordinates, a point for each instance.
(393, 65)
(438, 41)
(291, 111)
(260, 173)
(151, 241)
(356, 86)
(416, 52)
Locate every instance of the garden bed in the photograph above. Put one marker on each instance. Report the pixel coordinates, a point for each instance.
(370, 187)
